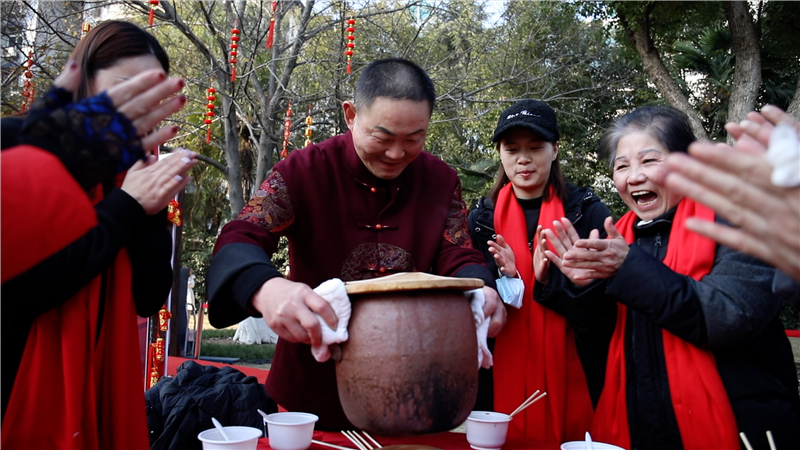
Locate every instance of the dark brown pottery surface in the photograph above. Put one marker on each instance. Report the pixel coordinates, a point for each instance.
(410, 364)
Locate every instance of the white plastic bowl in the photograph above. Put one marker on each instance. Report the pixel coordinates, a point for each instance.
(290, 430)
(581, 445)
(486, 430)
(242, 438)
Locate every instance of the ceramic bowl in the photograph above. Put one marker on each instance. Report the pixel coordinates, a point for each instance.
(486, 430)
(241, 438)
(581, 445)
(290, 430)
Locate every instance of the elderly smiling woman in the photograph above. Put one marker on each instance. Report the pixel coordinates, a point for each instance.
(696, 352)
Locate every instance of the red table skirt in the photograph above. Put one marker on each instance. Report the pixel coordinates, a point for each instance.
(444, 441)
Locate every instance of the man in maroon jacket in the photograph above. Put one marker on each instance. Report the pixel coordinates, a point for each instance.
(360, 205)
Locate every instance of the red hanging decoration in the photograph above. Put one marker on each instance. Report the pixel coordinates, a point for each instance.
(85, 28)
(209, 112)
(287, 131)
(351, 30)
(271, 31)
(163, 318)
(309, 121)
(153, 4)
(234, 48)
(174, 212)
(156, 361)
(28, 88)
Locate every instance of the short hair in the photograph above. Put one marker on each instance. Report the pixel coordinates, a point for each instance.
(668, 125)
(110, 42)
(395, 78)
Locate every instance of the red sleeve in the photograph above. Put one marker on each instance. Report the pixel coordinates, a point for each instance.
(42, 209)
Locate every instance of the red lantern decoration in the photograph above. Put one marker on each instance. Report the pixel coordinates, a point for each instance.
(209, 112)
(85, 28)
(234, 49)
(287, 131)
(351, 31)
(174, 212)
(309, 121)
(163, 318)
(271, 31)
(28, 88)
(153, 4)
(156, 361)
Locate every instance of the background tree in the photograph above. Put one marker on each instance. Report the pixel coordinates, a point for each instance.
(591, 61)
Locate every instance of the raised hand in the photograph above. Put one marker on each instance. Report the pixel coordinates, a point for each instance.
(145, 99)
(598, 258)
(541, 265)
(562, 239)
(153, 183)
(736, 183)
(503, 256)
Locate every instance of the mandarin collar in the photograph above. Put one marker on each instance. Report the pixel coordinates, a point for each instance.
(665, 218)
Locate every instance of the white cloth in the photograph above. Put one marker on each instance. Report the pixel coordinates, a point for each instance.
(476, 302)
(784, 155)
(254, 330)
(335, 293)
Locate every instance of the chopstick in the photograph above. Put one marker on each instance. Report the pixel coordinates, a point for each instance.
(771, 441)
(380, 446)
(355, 440)
(325, 444)
(746, 442)
(527, 403)
(519, 408)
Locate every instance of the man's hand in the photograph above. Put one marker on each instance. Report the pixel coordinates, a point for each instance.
(288, 308)
(495, 309)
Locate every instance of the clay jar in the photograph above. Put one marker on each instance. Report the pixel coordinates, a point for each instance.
(410, 365)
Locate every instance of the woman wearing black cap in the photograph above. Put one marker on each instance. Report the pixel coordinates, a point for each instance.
(536, 350)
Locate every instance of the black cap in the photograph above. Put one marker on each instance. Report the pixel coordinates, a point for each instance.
(534, 115)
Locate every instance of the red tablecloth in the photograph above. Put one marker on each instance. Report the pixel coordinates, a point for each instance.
(444, 441)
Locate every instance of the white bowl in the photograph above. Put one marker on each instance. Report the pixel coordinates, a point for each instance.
(581, 445)
(242, 438)
(486, 430)
(290, 430)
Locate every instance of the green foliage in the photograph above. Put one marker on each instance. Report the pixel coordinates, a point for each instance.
(224, 333)
(236, 350)
(790, 317)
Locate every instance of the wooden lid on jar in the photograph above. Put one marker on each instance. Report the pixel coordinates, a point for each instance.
(411, 281)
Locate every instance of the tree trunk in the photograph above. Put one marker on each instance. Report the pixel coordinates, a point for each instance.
(639, 35)
(235, 190)
(747, 73)
(794, 107)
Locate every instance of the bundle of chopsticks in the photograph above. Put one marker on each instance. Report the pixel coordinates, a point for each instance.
(769, 438)
(531, 400)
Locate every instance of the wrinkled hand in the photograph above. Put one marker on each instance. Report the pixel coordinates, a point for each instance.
(541, 265)
(503, 256)
(288, 308)
(598, 258)
(495, 309)
(154, 183)
(146, 99)
(562, 239)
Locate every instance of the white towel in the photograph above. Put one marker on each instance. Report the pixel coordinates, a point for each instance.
(335, 293)
(784, 155)
(476, 302)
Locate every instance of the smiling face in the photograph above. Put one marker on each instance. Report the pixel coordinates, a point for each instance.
(526, 160)
(639, 172)
(389, 134)
(124, 69)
